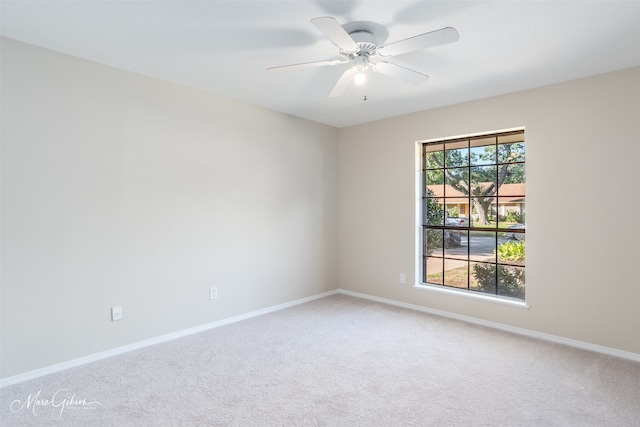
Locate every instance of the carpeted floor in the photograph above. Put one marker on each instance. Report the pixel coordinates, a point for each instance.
(338, 361)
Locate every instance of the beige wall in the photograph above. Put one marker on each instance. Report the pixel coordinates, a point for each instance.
(583, 280)
(118, 189)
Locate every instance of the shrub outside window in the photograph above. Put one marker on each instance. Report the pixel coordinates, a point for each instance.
(473, 213)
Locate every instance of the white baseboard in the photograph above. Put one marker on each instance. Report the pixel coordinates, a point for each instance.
(152, 341)
(520, 331)
(179, 334)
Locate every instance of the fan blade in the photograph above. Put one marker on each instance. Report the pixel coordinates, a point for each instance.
(343, 82)
(402, 73)
(309, 64)
(332, 29)
(422, 41)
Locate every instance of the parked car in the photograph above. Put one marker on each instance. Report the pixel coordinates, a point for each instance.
(517, 236)
(457, 222)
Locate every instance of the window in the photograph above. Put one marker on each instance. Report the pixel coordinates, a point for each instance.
(473, 213)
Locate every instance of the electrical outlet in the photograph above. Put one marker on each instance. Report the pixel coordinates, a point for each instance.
(403, 278)
(213, 293)
(116, 313)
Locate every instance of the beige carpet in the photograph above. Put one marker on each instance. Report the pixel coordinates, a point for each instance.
(338, 361)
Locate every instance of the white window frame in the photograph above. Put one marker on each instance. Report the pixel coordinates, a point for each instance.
(420, 285)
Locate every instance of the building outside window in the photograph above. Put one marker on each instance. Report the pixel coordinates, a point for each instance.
(473, 213)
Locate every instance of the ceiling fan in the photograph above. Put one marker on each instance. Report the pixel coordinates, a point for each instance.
(361, 48)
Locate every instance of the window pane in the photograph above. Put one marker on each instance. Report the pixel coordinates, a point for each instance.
(483, 211)
(511, 137)
(511, 281)
(482, 246)
(483, 151)
(434, 183)
(433, 243)
(514, 173)
(456, 273)
(511, 212)
(433, 211)
(457, 154)
(514, 189)
(457, 181)
(511, 195)
(516, 232)
(511, 252)
(433, 156)
(511, 148)
(484, 181)
(434, 270)
(456, 244)
(483, 277)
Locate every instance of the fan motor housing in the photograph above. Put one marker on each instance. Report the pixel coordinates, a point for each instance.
(367, 32)
(366, 43)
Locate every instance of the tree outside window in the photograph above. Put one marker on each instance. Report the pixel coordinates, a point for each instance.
(473, 198)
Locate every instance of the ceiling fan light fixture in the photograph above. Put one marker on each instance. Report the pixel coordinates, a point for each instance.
(360, 78)
(361, 64)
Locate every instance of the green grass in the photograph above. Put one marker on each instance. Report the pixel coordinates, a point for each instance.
(456, 277)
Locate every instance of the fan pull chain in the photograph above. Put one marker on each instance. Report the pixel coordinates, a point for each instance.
(364, 98)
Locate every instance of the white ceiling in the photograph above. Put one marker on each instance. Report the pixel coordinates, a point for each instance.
(224, 47)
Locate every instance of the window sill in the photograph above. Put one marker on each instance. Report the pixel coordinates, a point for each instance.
(472, 295)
